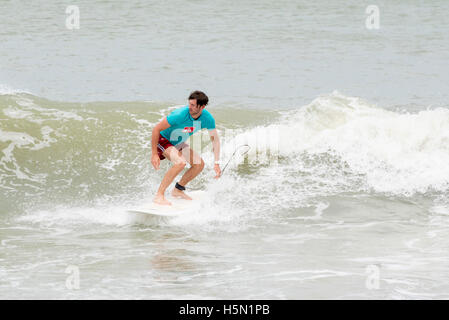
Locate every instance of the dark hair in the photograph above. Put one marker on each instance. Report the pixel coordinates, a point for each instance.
(201, 98)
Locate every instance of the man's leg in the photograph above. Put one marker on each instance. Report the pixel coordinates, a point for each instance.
(179, 163)
(196, 166)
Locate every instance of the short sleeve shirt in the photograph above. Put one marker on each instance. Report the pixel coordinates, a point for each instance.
(183, 125)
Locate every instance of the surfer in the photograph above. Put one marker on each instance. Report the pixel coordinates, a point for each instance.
(168, 141)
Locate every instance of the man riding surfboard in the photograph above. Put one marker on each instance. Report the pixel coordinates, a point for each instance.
(168, 141)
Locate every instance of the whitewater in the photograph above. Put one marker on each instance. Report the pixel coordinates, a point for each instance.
(350, 186)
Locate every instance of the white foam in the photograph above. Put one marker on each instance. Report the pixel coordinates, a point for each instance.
(399, 153)
(110, 164)
(21, 140)
(53, 114)
(6, 90)
(213, 212)
(16, 139)
(205, 214)
(73, 216)
(16, 113)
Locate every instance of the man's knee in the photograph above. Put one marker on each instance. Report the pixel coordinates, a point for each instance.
(180, 163)
(199, 165)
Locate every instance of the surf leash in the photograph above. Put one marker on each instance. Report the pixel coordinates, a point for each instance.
(245, 152)
(222, 171)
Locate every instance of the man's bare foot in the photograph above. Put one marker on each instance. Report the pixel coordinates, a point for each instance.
(180, 194)
(160, 199)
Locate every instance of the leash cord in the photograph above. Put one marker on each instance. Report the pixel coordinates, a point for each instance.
(222, 171)
(243, 145)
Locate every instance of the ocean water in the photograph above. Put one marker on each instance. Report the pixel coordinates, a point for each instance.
(342, 195)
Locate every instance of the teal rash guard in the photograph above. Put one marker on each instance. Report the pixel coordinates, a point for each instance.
(183, 125)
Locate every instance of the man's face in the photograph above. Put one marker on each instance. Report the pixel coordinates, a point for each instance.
(194, 109)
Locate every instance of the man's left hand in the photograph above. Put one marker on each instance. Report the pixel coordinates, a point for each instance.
(217, 171)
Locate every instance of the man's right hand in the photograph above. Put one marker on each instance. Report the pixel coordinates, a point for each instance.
(155, 161)
(155, 135)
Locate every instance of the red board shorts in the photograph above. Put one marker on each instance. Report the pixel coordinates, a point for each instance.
(163, 144)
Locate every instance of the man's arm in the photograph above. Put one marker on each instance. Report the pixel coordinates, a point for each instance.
(161, 126)
(216, 147)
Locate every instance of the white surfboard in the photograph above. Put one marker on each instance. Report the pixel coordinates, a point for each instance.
(179, 206)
